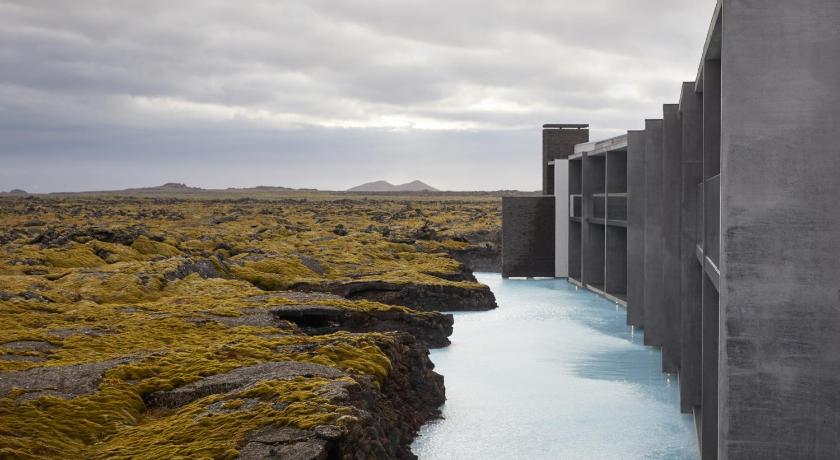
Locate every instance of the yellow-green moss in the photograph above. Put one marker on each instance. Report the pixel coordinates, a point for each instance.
(193, 432)
(272, 273)
(144, 245)
(80, 256)
(116, 252)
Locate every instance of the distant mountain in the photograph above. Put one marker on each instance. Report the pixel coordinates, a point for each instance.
(167, 187)
(384, 186)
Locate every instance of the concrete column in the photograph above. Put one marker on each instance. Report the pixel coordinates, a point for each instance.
(594, 234)
(691, 110)
(654, 238)
(671, 217)
(710, 303)
(635, 228)
(710, 311)
(575, 227)
(561, 223)
(780, 230)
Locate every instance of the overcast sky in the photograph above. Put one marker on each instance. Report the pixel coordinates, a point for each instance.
(325, 93)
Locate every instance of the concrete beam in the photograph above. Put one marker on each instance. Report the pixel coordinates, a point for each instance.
(606, 145)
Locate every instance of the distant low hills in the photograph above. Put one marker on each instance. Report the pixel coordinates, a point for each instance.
(385, 186)
(380, 189)
(15, 192)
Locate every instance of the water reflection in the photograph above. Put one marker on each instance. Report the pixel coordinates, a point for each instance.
(553, 373)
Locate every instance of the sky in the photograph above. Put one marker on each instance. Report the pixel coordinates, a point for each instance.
(102, 95)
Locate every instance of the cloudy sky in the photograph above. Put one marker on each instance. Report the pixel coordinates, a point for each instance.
(324, 93)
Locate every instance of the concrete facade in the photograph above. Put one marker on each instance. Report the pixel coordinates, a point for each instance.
(779, 381)
(598, 176)
(730, 240)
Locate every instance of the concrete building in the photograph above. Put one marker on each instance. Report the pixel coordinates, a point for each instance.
(716, 227)
(535, 226)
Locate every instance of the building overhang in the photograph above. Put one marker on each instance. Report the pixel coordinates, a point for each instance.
(617, 143)
(713, 46)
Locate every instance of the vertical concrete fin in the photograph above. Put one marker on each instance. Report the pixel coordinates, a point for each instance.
(654, 235)
(691, 113)
(636, 228)
(671, 219)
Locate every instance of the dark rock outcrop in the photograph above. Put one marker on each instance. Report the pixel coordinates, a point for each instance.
(52, 237)
(284, 443)
(236, 379)
(205, 268)
(420, 297)
(485, 258)
(386, 416)
(484, 254)
(431, 329)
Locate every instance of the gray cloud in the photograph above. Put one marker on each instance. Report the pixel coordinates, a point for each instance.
(324, 93)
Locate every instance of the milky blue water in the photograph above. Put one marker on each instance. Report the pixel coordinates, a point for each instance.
(553, 373)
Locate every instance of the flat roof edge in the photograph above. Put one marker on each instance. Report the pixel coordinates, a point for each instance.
(565, 125)
(686, 86)
(606, 145)
(713, 41)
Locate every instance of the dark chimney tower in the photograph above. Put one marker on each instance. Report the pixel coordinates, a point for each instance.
(559, 142)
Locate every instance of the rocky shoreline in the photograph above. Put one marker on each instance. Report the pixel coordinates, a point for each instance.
(420, 297)
(382, 421)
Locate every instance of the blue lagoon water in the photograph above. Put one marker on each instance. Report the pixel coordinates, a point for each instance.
(553, 373)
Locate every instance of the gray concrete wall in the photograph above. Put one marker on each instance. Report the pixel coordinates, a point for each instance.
(671, 219)
(528, 236)
(594, 181)
(691, 116)
(635, 228)
(616, 261)
(780, 230)
(654, 236)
